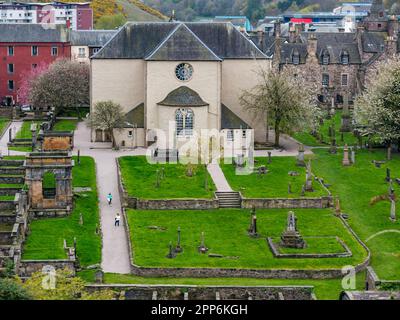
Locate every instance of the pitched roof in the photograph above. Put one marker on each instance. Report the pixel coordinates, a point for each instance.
(138, 40)
(289, 49)
(135, 116)
(229, 120)
(373, 42)
(182, 44)
(24, 32)
(91, 38)
(183, 97)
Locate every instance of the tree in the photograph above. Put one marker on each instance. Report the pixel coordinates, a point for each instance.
(285, 100)
(66, 287)
(26, 83)
(110, 22)
(64, 85)
(12, 290)
(107, 115)
(377, 110)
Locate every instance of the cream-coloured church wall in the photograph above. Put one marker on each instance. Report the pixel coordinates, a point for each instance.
(161, 80)
(239, 75)
(119, 80)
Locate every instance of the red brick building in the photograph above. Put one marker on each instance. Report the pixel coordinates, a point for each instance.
(23, 47)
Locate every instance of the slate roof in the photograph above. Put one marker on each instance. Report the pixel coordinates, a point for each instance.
(135, 116)
(140, 40)
(183, 97)
(372, 42)
(289, 49)
(29, 33)
(229, 120)
(183, 44)
(91, 38)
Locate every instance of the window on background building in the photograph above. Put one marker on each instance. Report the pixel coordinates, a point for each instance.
(244, 134)
(11, 85)
(82, 53)
(54, 51)
(130, 133)
(325, 80)
(345, 58)
(326, 58)
(95, 50)
(34, 66)
(345, 79)
(35, 51)
(10, 68)
(10, 51)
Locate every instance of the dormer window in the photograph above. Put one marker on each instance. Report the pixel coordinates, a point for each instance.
(296, 58)
(345, 58)
(326, 58)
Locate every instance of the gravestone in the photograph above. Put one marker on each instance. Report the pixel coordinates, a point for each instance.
(99, 276)
(253, 224)
(290, 188)
(171, 254)
(309, 179)
(269, 157)
(338, 210)
(300, 156)
(388, 175)
(202, 248)
(178, 248)
(291, 238)
(393, 211)
(346, 160)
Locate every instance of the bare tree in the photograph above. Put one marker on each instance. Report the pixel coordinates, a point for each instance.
(107, 116)
(283, 99)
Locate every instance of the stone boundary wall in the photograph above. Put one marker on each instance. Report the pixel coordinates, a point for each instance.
(287, 203)
(7, 205)
(9, 191)
(6, 112)
(191, 292)
(374, 283)
(28, 267)
(162, 204)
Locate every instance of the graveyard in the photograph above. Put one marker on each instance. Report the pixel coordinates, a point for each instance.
(228, 241)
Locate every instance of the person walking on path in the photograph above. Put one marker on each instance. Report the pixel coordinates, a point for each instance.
(109, 198)
(117, 220)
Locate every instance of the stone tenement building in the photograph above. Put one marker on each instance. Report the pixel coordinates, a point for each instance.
(339, 61)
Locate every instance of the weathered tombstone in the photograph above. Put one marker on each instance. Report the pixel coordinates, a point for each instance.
(202, 248)
(346, 160)
(300, 156)
(333, 148)
(269, 157)
(81, 219)
(291, 238)
(171, 253)
(393, 211)
(253, 224)
(309, 179)
(388, 175)
(178, 248)
(338, 210)
(99, 276)
(353, 156)
(392, 195)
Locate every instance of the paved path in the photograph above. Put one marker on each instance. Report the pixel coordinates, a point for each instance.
(218, 177)
(15, 127)
(115, 254)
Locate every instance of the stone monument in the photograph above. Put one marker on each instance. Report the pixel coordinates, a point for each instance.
(300, 156)
(291, 238)
(346, 159)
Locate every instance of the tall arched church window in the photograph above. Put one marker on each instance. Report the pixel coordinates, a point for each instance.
(184, 122)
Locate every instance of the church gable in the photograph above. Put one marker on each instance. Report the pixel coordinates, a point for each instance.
(182, 44)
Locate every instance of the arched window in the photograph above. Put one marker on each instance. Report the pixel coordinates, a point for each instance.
(184, 119)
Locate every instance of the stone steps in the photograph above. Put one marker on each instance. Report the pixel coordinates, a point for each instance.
(229, 199)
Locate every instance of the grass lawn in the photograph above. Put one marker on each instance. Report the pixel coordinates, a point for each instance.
(226, 234)
(329, 289)
(348, 138)
(65, 125)
(139, 178)
(275, 183)
(356, 186)
(46, 238)
(25, 131)
(3, 124)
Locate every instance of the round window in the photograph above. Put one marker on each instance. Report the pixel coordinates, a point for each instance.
(184, 71)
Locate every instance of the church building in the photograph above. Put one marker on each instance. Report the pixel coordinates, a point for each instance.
(185, 75)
